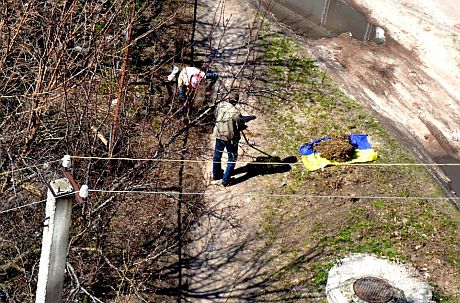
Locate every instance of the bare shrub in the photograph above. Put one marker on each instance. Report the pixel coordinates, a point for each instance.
(60, 65)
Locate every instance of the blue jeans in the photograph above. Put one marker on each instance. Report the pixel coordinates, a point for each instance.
(232, 151)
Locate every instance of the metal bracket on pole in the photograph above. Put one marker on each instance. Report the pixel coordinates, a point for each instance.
(66, 173)
(67, 163)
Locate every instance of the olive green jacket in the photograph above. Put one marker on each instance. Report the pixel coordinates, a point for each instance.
(229, 122)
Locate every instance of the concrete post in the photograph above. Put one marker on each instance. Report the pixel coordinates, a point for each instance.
(55, 241)
(327, 5)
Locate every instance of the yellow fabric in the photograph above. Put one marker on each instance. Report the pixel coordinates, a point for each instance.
(315, 161)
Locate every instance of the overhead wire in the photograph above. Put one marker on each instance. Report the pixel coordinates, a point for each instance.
(257, 163)
(265, 194)
(26, 168)
(34, 203)
(244, 194)
(19, 207)
(211, 161)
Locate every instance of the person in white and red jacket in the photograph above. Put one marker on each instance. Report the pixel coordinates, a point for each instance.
(189, 79)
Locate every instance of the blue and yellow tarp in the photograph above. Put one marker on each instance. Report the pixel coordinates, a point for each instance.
(313, 160)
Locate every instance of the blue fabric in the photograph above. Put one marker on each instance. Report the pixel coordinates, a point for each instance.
(307, 149)
(232, 151)
(213, 76)
(360, 141)
(313, 160)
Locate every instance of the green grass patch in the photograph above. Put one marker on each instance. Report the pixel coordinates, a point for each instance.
(306, 105)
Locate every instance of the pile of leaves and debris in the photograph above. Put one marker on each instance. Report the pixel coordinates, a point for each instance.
(337, 148)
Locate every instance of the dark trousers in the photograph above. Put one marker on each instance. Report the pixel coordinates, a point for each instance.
(232, 151)
(183, 94)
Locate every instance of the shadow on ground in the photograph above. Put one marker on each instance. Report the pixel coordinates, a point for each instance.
(264, 165)
(253, 278)
(237, 272)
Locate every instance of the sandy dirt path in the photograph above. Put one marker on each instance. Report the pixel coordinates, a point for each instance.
(224, 265)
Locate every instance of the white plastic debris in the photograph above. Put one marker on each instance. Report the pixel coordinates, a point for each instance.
(84, 191)
(456, 135)
(66, 162)
(173, 73)
(379, 35)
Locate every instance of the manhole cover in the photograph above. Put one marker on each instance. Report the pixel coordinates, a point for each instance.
(373, 290)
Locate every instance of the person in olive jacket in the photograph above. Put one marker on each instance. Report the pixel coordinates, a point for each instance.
(229, 123)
